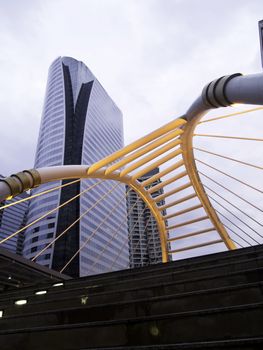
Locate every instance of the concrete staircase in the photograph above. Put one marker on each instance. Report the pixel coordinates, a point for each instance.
(210, 302)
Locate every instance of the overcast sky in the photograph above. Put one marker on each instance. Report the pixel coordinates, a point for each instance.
(152, 56)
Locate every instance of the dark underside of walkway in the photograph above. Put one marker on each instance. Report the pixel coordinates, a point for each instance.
(210, 302)
(17, 272)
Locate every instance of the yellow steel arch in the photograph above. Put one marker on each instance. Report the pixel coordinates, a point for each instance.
(189, 161)
(171, 147)
(139, 158)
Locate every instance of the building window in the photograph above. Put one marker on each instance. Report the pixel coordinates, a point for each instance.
(34, 249)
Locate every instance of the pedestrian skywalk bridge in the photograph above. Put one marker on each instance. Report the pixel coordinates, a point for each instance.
(210, 176)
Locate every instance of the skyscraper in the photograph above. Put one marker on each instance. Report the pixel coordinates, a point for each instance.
(11, 220)
(80, 125)
(144, 240)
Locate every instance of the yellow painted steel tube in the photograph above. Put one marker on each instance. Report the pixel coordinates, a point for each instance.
(163, 173)
(135, 145)
(189, 161)
(167, 182)
(149, 147)
(150, 156)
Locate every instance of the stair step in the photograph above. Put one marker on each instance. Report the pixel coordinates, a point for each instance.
(16, 317)
(244, 344)
(204, 264)
(158, 289)
(193, 265)
(66, 292)
(195, 326)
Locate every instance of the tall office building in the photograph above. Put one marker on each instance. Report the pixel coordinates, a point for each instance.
(144, 240)
(80, 125)
(13, 219)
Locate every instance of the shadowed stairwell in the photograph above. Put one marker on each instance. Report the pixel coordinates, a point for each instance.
(209, 302)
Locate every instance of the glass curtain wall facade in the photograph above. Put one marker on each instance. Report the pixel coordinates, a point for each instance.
(144, 240)
(11, 220)
(80, 125)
